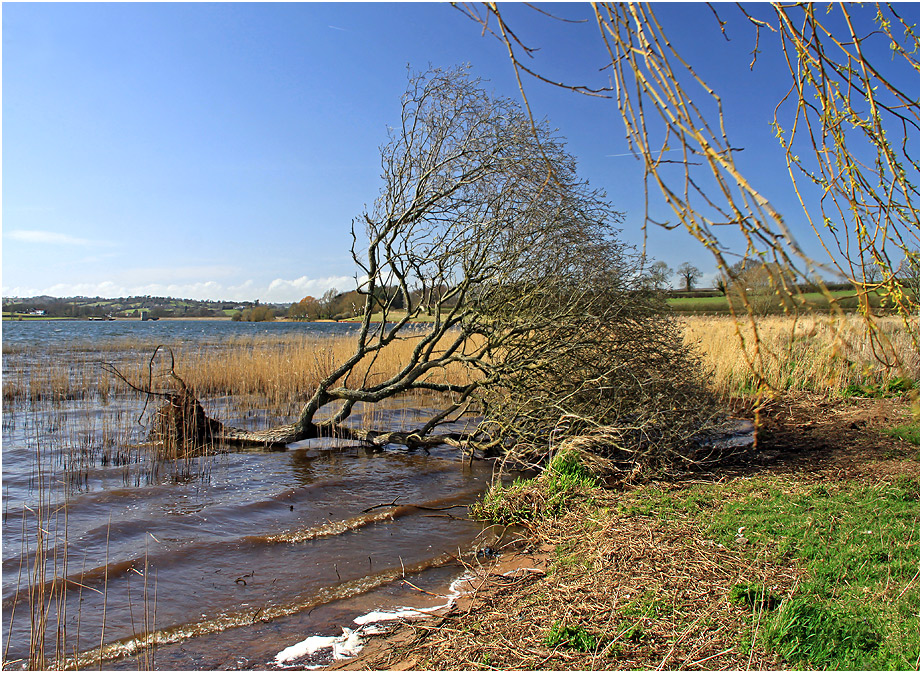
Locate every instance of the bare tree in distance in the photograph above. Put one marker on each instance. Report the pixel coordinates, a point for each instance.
(327, 301)
(848, 131)
(752, 283)
(483, 221)
(689, 274)
(659, 274)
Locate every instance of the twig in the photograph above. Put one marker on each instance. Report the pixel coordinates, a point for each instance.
(386, 504)
(406, 581)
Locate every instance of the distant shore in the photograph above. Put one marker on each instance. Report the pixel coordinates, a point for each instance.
(222, 318)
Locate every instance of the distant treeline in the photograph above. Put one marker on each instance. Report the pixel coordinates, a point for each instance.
(335, 305)
(126, 307)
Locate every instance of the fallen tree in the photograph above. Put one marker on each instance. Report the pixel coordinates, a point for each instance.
(536, 306)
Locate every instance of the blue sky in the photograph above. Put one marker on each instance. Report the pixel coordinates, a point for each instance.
(221, 151)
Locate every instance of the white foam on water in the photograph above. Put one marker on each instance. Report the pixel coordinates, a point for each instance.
(347, 645)
(516, 571)
(351, 642)
(390, 615)
(454, 591)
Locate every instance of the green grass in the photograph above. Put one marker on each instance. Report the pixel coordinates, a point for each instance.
(699, 304)
(908, 433)
(892, 388)
(858, 604)
(848, 301)
(570, 637)
(549, 494)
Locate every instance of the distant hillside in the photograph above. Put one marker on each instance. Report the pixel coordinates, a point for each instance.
(127, 307)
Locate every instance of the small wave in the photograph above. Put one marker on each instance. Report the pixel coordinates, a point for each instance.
(162, 558)
(130, 646)
(332, 527)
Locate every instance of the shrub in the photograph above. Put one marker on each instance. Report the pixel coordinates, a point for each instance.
(258, 314)
(565, 479)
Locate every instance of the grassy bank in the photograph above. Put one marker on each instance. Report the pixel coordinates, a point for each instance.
(802, 555)
(777, 568)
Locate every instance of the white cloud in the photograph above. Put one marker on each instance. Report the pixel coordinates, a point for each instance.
(279, 290)
(295, 290)
(46, 237)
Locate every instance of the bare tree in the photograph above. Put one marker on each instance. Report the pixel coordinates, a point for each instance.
(659, 275)
(328, 302)
(689, 275)
(532, 295)
(848, 130)
(752, 285)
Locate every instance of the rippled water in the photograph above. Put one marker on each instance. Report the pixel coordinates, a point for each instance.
(46, 334)
(227, 559)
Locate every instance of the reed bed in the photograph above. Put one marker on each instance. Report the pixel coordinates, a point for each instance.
(279, 369)
(293, 367)
(820, 354)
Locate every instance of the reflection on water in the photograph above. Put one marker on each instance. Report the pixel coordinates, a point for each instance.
(280, 544)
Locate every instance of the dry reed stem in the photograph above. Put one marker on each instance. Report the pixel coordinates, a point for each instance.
(818, 353)
(280, 369)
(822, 354)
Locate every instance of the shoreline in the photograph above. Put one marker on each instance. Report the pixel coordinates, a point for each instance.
(653, 578)
(195, 319)
(487, 578)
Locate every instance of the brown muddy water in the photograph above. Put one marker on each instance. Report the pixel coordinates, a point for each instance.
(225, 561)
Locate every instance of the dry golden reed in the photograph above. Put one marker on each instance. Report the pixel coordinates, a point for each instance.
(822, 354)
(292, 367)
(818, 354)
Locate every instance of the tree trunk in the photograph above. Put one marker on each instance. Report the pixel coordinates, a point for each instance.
(184, 429)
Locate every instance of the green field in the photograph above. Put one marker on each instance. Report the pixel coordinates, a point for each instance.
(20, 316)
(815, 301)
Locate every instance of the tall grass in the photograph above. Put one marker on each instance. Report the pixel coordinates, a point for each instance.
(819, 354)
(824, 355)
(278, 369)
(41, 586)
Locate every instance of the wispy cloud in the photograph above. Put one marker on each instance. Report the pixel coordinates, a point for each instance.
(345, 30)
(47, 237)
(188, 274)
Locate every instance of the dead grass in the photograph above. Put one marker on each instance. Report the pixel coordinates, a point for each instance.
(819, 354)
(280, 370)
(646, 594)
(822, 354)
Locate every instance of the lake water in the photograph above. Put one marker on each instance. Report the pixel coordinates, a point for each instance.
(46, 334)
(227, 560)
